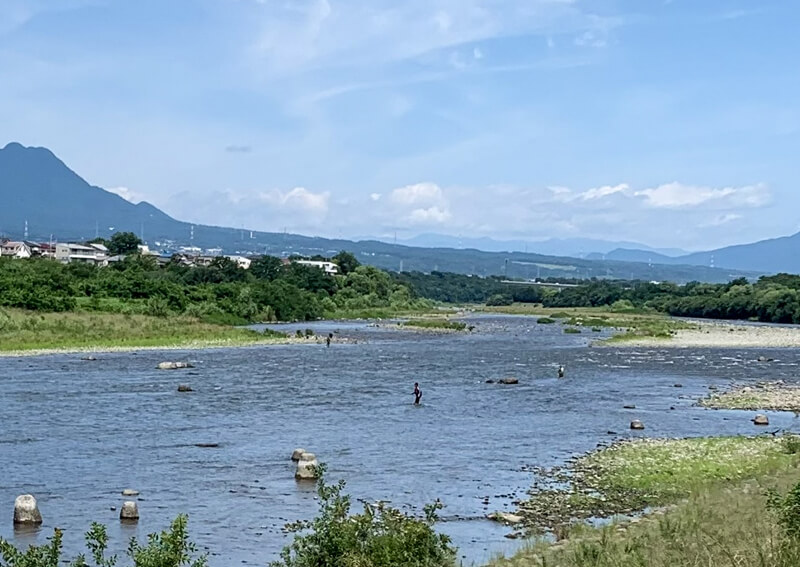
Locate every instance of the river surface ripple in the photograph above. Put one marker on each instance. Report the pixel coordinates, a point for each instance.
(75, 433)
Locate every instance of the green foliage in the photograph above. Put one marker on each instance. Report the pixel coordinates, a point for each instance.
(221, 293)
(170, 548)
(346, 261)
(499, 299)
(47, 555)
(443, 324)
(123, 243)
(379, 536)
(572, 331)
(545, 321)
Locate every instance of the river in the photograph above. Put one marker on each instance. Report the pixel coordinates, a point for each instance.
(75, 433)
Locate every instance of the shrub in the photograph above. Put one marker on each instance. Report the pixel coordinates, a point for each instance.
(545, 321)
(499, 299)
(170, 548)
(380, 536)
(572, 331)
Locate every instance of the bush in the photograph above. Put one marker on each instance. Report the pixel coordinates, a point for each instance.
(499, 299)
(170, 548)
(545, 321)
(380, 536)
(572, 331)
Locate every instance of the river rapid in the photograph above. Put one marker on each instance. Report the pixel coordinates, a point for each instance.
(75, 433)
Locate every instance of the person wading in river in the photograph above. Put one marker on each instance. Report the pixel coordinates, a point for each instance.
(417, 394)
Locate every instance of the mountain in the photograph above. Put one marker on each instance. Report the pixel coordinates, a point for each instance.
(38, 188)
(572, 247)
(769, 256)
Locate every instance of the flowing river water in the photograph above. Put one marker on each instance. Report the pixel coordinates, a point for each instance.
(75, 433)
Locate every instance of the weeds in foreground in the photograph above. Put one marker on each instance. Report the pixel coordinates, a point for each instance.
(170, 548)
(380, 536)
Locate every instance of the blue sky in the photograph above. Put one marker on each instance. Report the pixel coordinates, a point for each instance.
(675, 123)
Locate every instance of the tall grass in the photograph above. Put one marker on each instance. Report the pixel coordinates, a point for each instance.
(26, 330)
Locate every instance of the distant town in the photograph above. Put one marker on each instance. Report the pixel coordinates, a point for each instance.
(98, 254)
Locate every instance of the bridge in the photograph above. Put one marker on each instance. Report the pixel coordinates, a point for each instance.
(541, 284)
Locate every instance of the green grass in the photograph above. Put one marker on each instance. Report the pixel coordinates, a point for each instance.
(436, 324)
(25, 330)
(630, 325)
(631, 476)
(716, 514)
(572, 331)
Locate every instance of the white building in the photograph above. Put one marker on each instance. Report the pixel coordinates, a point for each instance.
(96, 254)
(241, 261)
(328, 267)
(15, 250)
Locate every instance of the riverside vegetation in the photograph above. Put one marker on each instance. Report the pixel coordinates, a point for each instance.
(45, 304)
(729, 501)
(379, 536)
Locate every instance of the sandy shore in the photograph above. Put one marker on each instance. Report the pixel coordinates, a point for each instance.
(195, 345)
(722, 335)
(775, 396)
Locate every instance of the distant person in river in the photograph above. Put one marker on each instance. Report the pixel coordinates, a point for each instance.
(328, 339)
(560, 371)
(417, 394)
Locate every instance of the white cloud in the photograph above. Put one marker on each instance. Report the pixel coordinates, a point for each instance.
(600, 192)
(418, 194)
(477, 53)
(431, 215)
(676, 195)
(127, 194)
(299, 198)
(375, 196)
(306, 33)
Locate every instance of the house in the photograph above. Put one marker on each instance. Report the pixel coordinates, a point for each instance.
(241, 261)
(96, 254)
(13, 249)
(328, 267)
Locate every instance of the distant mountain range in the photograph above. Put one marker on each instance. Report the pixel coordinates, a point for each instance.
(573, 247)
(38, 188)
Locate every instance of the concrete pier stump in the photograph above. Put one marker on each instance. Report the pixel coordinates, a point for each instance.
(26, 511)
(305, 470)
(129, 511)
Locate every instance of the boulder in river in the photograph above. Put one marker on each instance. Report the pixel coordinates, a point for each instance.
(26, 510)
(185, 388)
(506, 518)
(629, 406)
(637, 425)
(761, 419)
(129, 511)
(508, 381)
(130, 492)
(306, 467)
(297, 453)
(174, 365)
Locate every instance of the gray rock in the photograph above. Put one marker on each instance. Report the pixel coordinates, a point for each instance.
(629, 406)
(174, 365)
(185, 388)
(508, 381)
(636, 424)
(130, 492)
(26, 510)
(129, 511)
(761, 419)
(505, 518)
(296, 454)
(306, 467)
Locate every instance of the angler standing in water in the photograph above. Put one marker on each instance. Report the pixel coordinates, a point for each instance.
(560, 371)
(417, 393)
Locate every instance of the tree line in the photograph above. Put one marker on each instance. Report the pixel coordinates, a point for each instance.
(222, 292)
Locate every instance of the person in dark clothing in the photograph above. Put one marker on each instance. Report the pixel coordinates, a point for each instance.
(417, 394)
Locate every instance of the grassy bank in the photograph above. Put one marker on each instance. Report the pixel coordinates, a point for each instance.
(32, 331)
(435, 324)
(765, 396)
(630, 325)
(715, 490)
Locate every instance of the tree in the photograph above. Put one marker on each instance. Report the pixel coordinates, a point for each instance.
(266, 268)
(123, 243)
(346, 261)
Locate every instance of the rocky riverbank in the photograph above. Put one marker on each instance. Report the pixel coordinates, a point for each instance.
(721, 335)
